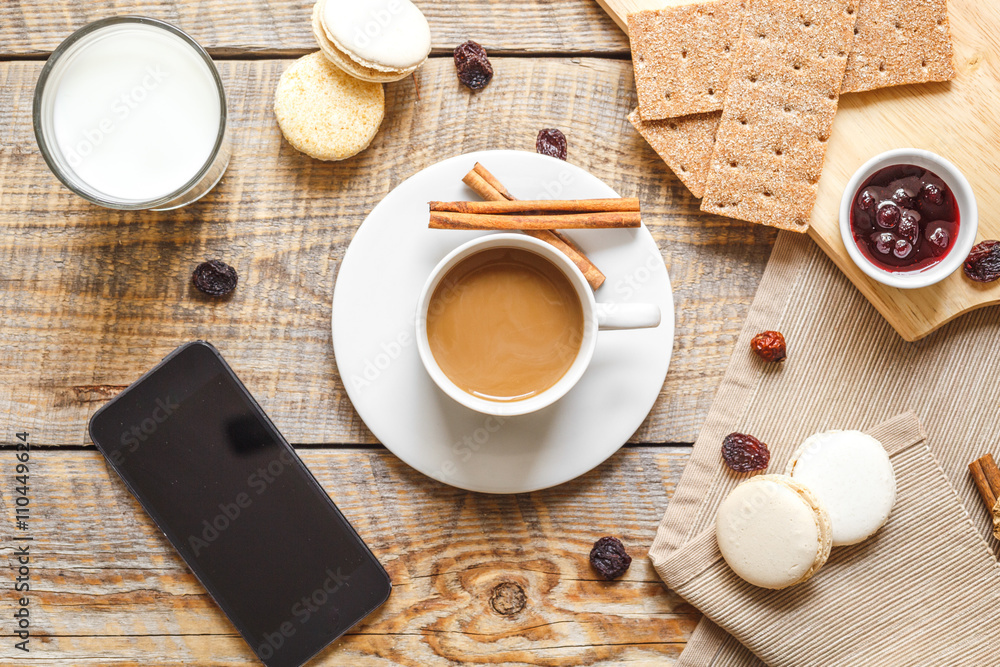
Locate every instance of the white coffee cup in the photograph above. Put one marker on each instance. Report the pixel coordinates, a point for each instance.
(596, 316)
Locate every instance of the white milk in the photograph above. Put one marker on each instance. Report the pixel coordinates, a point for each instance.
(135, 111)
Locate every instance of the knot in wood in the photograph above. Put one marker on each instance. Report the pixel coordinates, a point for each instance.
(508, 598)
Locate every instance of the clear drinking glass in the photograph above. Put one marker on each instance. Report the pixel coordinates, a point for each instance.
(130, 113)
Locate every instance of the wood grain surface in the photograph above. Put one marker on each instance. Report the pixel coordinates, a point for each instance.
(260, 28)
(92, 298)
(477, 579)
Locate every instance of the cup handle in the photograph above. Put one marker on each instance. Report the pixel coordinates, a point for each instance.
(627, 315)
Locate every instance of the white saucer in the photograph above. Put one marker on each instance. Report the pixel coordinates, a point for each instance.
(374, 306)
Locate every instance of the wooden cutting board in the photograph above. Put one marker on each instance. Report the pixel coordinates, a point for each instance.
(959, 120)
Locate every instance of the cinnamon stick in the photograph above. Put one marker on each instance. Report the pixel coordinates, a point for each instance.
(986, 475)
(488, 187)
(492, 181)
(564, 206)
(600, 220)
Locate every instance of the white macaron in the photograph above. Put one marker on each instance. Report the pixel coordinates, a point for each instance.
(851, 474)
(773, 532)
(373, 40)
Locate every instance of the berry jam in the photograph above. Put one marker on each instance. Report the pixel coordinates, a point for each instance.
(904, 218)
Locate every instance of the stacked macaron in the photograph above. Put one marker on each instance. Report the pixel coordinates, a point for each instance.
(330, 104)
(372, 40)
(776, 531)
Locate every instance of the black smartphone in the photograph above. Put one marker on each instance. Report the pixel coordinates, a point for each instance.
(239, 505)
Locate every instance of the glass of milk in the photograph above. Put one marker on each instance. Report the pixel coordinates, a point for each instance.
(130, 113)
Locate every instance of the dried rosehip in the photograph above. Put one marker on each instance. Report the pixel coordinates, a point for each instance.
(215, 277)
(983, 263)
(745, 453)
(474, 68)
(769, 346)
(551, 142)
(608, 557)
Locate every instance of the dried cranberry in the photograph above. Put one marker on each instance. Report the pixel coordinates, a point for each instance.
(769, 346)
(745, 453)
(932, 194)
(983, 263)
(474, 67)
(888, 215)
(215, 277)
(552, 142)
(609, 558)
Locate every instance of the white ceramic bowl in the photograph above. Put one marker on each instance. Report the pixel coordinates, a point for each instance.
(967, 228)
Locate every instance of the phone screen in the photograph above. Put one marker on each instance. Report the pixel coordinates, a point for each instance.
(240, 507)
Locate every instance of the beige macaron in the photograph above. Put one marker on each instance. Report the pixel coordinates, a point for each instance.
(325, 113)
(380, 43)
(773, 532)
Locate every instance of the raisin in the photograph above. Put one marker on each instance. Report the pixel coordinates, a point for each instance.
(474, 68)
(745, 453)
(609, 558)
(769, 346)
(215, 277)
(551, 142)
(983, 263)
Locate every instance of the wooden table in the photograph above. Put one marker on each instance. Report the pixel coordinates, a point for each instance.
(92, 298)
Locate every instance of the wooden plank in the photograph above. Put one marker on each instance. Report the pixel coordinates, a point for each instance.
(248, 27)
(92, 298)
(108, 589)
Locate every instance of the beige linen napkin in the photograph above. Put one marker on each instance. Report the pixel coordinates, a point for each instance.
(846, 368)
(869, 604)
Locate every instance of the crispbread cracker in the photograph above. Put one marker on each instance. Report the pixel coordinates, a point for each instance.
(681, 56)
(324, 112)
(684, 143)
(898, 42)
(779, 107)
